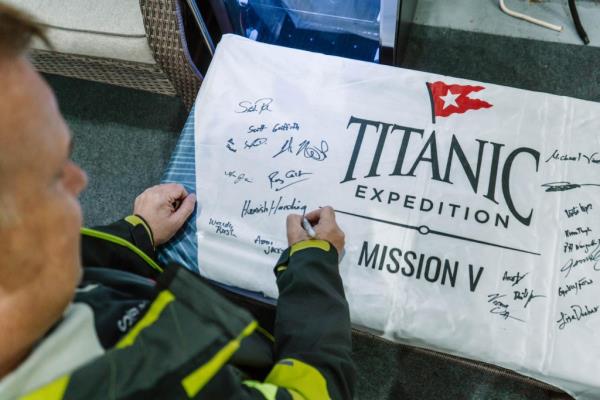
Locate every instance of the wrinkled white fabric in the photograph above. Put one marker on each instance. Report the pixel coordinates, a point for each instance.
(458, 236)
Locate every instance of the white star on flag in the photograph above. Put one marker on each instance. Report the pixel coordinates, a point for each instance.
(449, 99)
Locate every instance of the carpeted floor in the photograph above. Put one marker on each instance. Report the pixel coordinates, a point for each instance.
(123, 139)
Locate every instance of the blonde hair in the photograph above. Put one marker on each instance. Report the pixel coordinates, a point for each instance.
(16, 31)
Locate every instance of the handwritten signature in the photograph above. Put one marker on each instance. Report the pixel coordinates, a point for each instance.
(575, 287)
(515, 279)
(259, 106)
(569, 247)
(287, 126)
(238, 177)
(594, 257)
(315, 152)
(578, 231)
(592, 158)
(576, 314)
(576, 210)
(268, 246)
(231, 145)
(564, 186)
(255, 143)
(222, 228)
(500, 308)
(526, 295)
(256, 129)
(278, 181)
(275, 206)
(278, 127)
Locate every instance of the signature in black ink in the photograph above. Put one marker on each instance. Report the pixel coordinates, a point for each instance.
(317, 153)
(569, 247)
(314, 152)
(563, 291)
(256, 129)
(563, 186)
(526, 295)
(576, 314)
(222, 228)
(578, 231)
(274, 207)
(255, 143)
(500, 308)
(593, 158)
(259, 106)
(238, 177)
(286, 148)
(580, 208)
(594, 257)
(268, 246)
(286, 127)
(515, 279)
(231, 145)
(278, 181)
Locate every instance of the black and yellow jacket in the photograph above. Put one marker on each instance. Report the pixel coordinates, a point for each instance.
(167, 335)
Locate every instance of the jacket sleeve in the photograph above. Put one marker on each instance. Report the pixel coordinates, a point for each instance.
(313, 341)
(126, 245)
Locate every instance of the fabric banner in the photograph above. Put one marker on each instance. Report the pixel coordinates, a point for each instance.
(470, 209)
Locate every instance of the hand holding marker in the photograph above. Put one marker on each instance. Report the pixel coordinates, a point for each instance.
(308, 228)
(313, 235)
(299, 227)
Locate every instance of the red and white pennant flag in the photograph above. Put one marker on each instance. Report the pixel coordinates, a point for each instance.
(453, 99)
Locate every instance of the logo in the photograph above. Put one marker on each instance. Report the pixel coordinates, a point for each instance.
(453, 99)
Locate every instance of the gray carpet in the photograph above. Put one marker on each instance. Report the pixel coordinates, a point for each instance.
(562, 69)
(124, 138)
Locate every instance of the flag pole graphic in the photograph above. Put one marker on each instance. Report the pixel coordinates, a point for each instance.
(431, 101)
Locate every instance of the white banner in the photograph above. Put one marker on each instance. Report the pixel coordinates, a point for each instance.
(470, 209)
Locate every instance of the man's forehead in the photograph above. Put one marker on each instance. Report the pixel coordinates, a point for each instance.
(23, 85)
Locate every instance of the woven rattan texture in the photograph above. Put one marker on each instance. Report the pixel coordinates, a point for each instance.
(117, 72)
(162, 20)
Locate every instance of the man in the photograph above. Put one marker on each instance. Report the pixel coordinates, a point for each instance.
(133, 329)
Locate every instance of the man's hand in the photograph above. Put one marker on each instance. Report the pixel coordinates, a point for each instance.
(323, 221)
(165, 208)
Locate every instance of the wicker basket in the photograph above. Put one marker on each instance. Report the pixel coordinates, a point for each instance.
(164, 28)
(173, 74)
